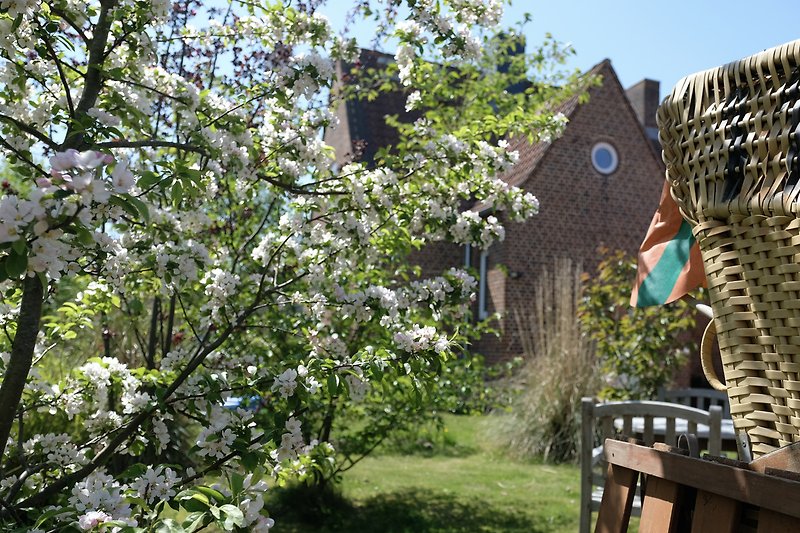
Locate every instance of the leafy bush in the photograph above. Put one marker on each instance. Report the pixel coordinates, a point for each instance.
(559, 369)
(639, 349)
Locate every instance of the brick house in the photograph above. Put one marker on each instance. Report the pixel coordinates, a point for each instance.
(598, 185)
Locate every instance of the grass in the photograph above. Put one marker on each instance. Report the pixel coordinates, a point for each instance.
(457, 483)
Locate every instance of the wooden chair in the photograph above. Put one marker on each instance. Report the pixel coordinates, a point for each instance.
(649, 421)
(694, 397)
(689, 494)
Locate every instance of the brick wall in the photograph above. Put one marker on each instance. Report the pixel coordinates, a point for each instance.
(581, 209)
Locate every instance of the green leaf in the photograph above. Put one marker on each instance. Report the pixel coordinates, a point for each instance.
(148, 179)
(169, 526)
(125, 204)
(250, 461)
(177, 193)
(62, 193)
(194, 521)
(20, 246)
(195, 503)
(192, 175)
(120, 524)
(237, 483)
(44, 517)
(136, 306)
(16, 265)
(211, 493)
(134, 471)
(42, 279)
(144, 212)
(233, 516)
(333, 384)
(84, 236)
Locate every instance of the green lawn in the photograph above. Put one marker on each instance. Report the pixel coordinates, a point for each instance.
(463, 484)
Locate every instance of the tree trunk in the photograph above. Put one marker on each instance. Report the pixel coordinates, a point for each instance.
(21, 359)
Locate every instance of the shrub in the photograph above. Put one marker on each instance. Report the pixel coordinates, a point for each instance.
(559, 369)
(639, 349)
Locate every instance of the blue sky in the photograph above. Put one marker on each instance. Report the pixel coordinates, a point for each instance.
(663, 41)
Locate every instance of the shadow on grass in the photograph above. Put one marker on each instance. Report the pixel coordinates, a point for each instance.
(415, 510)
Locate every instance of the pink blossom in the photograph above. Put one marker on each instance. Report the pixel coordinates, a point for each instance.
(92, 519)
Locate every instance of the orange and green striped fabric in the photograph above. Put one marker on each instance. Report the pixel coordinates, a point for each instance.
(670, 264)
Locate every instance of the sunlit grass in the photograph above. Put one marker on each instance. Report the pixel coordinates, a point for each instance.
(461, 483)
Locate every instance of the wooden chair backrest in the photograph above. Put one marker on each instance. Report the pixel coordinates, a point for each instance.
(695, 397)
(600, 421)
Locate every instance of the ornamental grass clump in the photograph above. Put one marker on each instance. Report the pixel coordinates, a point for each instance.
(559, 369)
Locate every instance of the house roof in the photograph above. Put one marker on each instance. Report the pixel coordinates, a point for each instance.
(368, 131)
(366, 118)
(531, 155)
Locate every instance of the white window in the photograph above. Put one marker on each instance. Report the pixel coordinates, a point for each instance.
(604, 158)
(483, 287)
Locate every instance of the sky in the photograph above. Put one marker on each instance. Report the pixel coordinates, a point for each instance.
(659, 40)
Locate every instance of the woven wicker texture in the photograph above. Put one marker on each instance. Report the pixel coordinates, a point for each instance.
(731, 140)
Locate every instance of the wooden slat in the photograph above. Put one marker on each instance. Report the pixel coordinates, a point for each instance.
(648, 436)
(786, 458)
(713, 512)
(768, 492)
(772, 522)
(661, 506)
(669, 435)
(587, 450)
(646, 407)
(606, 429)
(615, 509)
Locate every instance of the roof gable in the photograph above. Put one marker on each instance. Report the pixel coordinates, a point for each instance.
(532, 155)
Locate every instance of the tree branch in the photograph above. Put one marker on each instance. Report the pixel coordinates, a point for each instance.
(203, 350)
(30, 130)
(94, 73)
(61, 74)
(151, 143)
(150, 357)
(170, 325)
(298, 190)
(72, 24)
(184, 101)
(21, 358)
(27, 161)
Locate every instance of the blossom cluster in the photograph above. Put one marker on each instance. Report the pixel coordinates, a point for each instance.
(98, 499)
(77, 196)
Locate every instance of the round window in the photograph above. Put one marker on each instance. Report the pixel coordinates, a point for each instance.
(604, 158)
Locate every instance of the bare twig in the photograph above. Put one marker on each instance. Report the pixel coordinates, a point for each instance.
(23, 158)
(30, 130)
(150, 143)
(61, 75)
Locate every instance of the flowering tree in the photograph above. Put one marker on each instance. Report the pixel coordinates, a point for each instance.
(174, 233)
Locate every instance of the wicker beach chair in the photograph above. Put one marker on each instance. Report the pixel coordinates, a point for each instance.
(731, 141)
